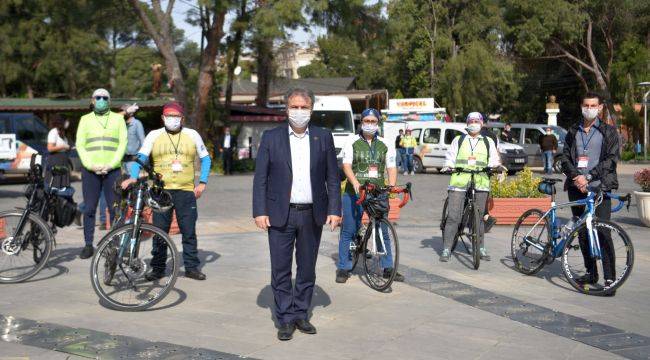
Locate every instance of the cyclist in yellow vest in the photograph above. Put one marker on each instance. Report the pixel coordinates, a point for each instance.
(475, 152)
(101, 143)
(173, 150)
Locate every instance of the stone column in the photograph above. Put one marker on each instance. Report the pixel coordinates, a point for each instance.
(552, 109)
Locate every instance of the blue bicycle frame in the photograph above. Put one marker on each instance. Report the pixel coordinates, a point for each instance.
(590, 203)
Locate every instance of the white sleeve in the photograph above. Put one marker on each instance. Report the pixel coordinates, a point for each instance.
(348, 152)
(149, 140)
(452, 152)
(495, 159)
(391, 155)
(52, 136)
(201, 150)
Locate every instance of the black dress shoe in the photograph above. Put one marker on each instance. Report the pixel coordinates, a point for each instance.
(305, 326)
(87, 252)
(195, 274)
(342, 276)
(285, 332)
(154, 275)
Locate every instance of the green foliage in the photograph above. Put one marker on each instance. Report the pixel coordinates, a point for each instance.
(524, 185)
(243, 165)
(628, 155)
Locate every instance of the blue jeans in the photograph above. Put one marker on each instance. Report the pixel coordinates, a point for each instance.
(401, 165)
(407, 159)
(548, 161)
(186, 214)
(352, 214)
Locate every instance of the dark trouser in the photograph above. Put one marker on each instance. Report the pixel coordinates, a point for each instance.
(603, 211)
(92, 186)
(302, 232)
(455, 207)
(227, 161)
(185, 205)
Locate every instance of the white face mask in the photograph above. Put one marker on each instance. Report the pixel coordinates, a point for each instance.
(369, 129)
(590, 113)
(299, 118)
(473, 128)
(172, 123)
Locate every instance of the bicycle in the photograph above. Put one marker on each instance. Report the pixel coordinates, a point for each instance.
(27, 235)
(378, 253)
(540, 237)
(120, 265)
(468, 228)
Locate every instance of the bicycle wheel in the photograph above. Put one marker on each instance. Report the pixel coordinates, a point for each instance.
(356, 252)
(475, 223)
(24, 254)
(119, 282)
(380, 255)
(531, 241)
(621, 259)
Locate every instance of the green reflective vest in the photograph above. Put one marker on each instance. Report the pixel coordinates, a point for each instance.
(364, 156)
(465, 151)
(101, 140)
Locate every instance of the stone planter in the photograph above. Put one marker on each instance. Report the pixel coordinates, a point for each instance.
(508, 210)
(643, 206)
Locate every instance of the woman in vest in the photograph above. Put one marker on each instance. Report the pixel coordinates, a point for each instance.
(101, 143)
(472, 151)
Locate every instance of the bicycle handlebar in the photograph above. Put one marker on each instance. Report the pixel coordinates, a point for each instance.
(406, 190)
(622, 201)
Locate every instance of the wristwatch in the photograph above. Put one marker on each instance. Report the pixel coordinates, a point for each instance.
(588, 177)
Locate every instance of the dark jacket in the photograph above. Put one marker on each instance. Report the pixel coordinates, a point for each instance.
(222, 139)
(548, 142)
(506, 136)
(605, 171)
(273, 176)
(398, 139)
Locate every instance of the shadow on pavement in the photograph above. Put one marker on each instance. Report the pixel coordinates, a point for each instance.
(551, 272)
(265, 300)
(11, 194)
(182, 296)
(434, 242)
(58, 257)
(206, 257)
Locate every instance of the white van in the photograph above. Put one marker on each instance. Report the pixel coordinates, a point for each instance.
(335, 114)
(435, 137)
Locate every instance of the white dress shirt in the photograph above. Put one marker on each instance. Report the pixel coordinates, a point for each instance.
(300, 165)
(226, 141)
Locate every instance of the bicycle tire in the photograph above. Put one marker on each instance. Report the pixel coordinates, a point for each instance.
(106, 241)
(48, 242)
(517, 244)
(355, 255)
(393, 239)
(475, 221)
(573, 237)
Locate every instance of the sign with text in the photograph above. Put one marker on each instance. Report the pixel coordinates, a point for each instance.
(407, 105)
(7, 146)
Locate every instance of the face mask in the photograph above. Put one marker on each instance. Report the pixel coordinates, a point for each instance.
(369, 129)
(590, 113)
(172, 123)
(473, 128)
(101, 106)
(299, 118)
(548, 133)
(66, 124)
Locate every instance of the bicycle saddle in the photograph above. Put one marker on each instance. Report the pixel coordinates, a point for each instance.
(58, 170)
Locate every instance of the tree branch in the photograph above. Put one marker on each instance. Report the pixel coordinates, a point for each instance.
(170, 6)
(148, 25)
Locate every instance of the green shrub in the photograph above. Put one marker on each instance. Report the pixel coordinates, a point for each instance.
(627, 155)
(243, 165)
(524, 185)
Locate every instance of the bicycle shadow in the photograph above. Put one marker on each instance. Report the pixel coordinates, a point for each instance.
(182, 296)
(265, 299)
(552, 273)
(207, 257)
(57, 257)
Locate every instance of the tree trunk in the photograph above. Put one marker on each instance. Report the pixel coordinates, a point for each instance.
(264, 68)
(233, 59)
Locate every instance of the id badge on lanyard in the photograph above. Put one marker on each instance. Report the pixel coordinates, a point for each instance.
(373, 171)
(583, 162)
(177, 166)
(471, 161)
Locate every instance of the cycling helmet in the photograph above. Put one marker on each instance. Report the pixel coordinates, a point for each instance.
(159, 200)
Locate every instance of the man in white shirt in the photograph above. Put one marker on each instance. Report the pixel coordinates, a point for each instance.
(227, 146)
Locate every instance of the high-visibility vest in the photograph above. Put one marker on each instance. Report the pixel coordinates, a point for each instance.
(481, 153)
(101, 140)
(408, 141)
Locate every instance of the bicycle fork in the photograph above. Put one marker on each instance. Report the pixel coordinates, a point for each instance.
(381, 240)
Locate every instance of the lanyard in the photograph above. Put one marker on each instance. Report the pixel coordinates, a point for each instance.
(472, 148)
(99, 121)
(582, 136)
(172, 142)
(373, 149)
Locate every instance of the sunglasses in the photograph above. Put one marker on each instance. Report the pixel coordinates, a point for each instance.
(101, 98)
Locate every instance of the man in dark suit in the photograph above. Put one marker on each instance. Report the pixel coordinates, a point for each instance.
(227, 146)
(296, 191)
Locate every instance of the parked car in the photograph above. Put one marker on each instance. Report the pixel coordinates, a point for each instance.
(528, 135)
(435, 137)
(31, 137)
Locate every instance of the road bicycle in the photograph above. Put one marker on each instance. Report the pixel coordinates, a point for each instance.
(468, 228)
(382, 252)
(27, 235)
(122, 266)
(540, 237)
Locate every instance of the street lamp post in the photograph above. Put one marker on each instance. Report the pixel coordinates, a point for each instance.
(645, 119)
